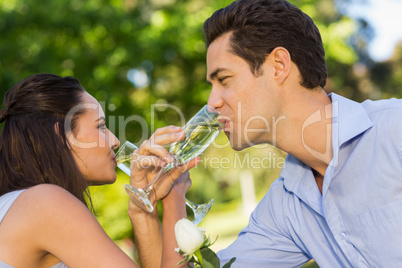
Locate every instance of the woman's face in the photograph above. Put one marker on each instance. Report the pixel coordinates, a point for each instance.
(93, 144)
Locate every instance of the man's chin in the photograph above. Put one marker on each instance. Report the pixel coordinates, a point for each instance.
(237, 147)
(236, 144)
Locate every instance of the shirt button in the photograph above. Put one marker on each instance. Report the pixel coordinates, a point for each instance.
(344, 235)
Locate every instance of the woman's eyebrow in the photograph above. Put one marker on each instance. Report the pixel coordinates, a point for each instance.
(102, 118)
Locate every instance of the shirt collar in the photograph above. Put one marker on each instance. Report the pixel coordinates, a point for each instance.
(349, 119)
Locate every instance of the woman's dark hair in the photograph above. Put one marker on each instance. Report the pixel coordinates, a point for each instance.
(33, 145)
(259, 26)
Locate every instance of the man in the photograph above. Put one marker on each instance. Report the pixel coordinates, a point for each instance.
(339, 196)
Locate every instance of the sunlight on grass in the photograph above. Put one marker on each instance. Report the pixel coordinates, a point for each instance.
(224, 225)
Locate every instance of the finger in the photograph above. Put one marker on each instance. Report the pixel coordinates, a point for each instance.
(181, 183)
(167, 138)
(155, 145)
(146, 161)
(184, 179)
(188, 184)
(147, 148)
(190, 164)
(185, 175)
(187, 179)
(176, 172)
(166, 130)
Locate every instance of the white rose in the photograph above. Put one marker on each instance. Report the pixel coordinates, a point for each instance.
(188, 236)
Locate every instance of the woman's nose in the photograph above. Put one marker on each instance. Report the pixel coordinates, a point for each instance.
(114, 141)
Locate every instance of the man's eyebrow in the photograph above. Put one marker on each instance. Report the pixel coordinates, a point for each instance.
(214, 74)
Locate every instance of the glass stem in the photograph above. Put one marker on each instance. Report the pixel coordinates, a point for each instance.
(148, 188)
(192, 205)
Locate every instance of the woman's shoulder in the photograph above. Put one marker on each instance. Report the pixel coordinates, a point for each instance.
(41, 197)
(35, 219)
(56, 222)
(42, 208)
(41, 204)
(49, 202)
(46, 191)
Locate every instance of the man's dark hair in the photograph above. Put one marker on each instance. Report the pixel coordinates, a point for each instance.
(259, 26)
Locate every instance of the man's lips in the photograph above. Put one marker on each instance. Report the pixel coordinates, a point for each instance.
(225, 123)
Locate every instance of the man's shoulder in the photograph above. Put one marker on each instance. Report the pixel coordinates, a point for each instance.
(276, 194)
(384, 112)
(385, 105)
(277, 187)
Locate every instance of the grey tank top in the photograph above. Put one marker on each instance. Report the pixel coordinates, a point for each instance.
(5, 203)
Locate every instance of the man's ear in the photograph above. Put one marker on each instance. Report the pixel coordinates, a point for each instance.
(281, 61)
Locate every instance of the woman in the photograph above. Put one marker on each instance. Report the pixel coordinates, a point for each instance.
(53, 145)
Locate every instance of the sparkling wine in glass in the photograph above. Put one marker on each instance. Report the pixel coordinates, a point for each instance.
(199, 132)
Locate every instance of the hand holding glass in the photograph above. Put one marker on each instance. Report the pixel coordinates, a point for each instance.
(199, 132)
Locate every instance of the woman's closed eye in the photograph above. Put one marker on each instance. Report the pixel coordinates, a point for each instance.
(102, 126)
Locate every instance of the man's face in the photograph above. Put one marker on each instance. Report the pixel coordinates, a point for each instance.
(247, 103)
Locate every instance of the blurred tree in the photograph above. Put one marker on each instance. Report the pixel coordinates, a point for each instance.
(387, 75)
(371, 79)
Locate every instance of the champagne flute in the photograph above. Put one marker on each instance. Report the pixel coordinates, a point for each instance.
(199, 132)
(124, 157)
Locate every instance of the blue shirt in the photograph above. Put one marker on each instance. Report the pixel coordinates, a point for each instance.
(357, 221)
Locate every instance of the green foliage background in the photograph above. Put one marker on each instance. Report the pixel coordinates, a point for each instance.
(103, 42)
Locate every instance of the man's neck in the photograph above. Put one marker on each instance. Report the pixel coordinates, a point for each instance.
(307, 131)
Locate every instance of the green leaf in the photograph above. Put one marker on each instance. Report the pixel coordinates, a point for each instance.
(180, 262)
(209, 258)
(227, 265)
(191, 258)
(197, 253)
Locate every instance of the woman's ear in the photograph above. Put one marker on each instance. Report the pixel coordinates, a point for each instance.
(57, 128)
(281, 62)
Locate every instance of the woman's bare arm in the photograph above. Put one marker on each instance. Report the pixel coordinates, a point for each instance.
(46, 223)
(147, 240)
